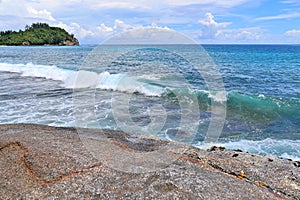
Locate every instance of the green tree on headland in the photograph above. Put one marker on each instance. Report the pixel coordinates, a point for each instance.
(38, 34)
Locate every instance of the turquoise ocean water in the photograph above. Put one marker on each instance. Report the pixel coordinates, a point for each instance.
(262, 85)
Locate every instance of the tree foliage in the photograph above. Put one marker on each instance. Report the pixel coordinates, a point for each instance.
(36, 34)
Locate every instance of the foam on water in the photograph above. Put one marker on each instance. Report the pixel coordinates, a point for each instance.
(41, 71)
(219, 96)
(84, 79)
(123, 83)
(288, 149)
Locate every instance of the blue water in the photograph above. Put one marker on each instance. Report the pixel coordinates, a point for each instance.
(262, 83)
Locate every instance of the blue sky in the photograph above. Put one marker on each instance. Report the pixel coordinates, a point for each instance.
(206, 21)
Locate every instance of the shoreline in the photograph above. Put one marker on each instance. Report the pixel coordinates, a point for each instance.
(38, 161)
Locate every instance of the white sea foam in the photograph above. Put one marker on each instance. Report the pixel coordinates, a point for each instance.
(41, 71)
(83, 79)
(288, 149)
(123, 83)
(220, 96)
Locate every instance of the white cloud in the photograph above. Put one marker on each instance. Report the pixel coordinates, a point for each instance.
(218, 3)
(105, 29)
(218, 32)
(102, 31)
(25, 9)
(76, 29)
(209, 21)
(99, 32)
(118, 4)
(292, 33)
(41, 14)
(293, 2)
(81, 32)
(120, 26)
(242, 34)
(150, 35)
(158, 4)
(281, 16)
(211, 27)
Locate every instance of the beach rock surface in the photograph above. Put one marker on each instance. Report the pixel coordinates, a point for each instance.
(42, 162)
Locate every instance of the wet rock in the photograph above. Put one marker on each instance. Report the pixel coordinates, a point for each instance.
(297, 164)
(235, 155)
(215, 148)
(238, 150)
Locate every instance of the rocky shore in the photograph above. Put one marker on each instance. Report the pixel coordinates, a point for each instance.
(43, 162)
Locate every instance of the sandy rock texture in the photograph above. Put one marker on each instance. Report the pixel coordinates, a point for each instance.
(42, 162)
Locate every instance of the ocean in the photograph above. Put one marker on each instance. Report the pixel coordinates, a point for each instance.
(149, 89)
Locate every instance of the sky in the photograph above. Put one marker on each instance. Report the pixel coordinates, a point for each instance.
(205, 21)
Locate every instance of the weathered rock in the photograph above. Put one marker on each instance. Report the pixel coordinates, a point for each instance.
(25, 43)
(44, 162)
(70, 42)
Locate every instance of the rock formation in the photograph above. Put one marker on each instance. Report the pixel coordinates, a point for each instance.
(41, 162)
